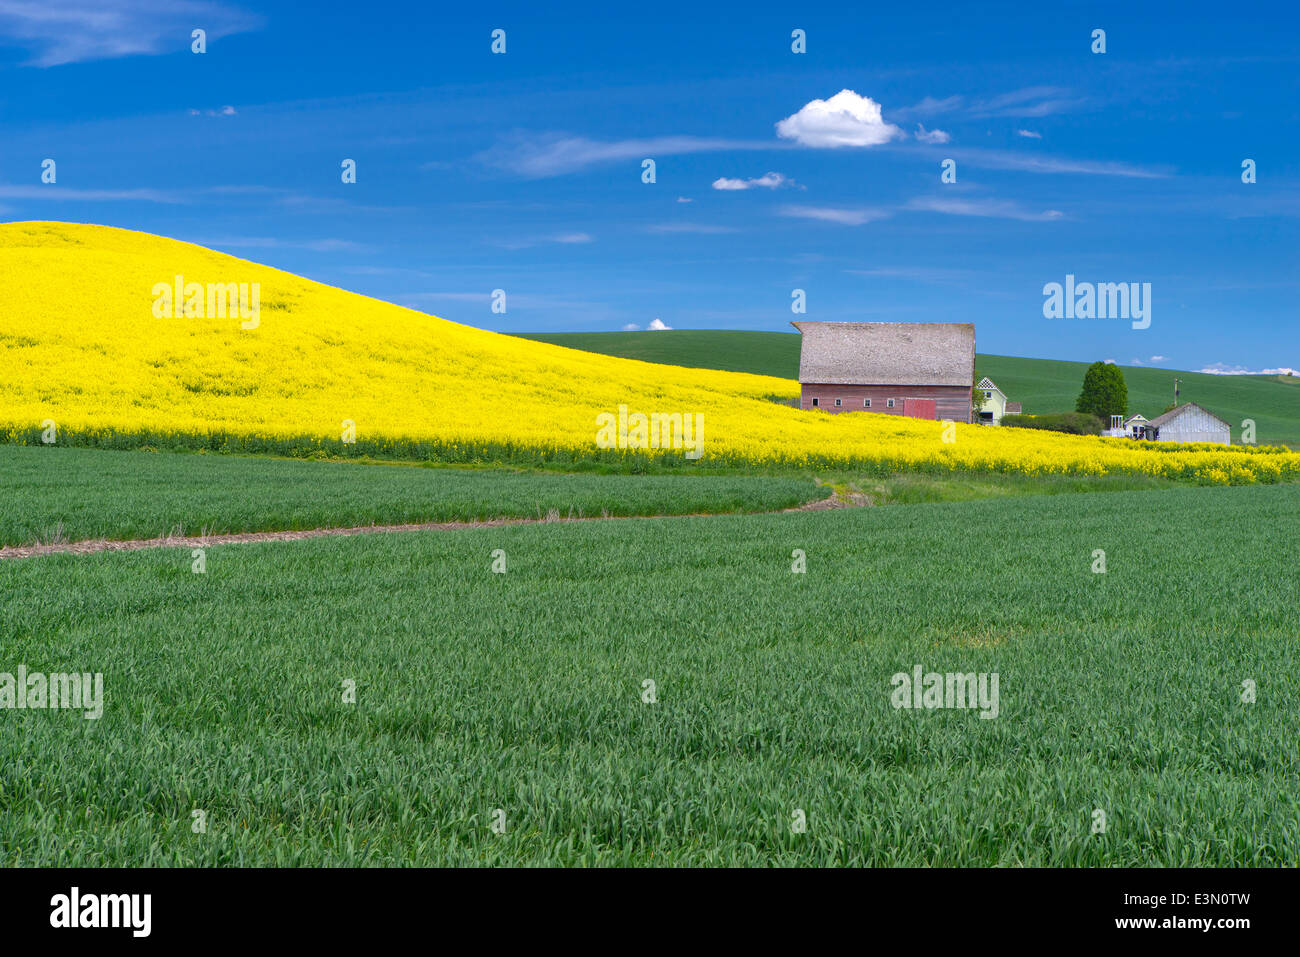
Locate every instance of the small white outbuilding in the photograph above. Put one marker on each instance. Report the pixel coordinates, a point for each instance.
(1188, 423)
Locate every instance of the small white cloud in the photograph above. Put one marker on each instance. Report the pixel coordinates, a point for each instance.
(931, 136)
(1109, 362)
(684, 199)
(631, 327)
(571, 238)
(1135, 362)
(766, 181)
(1159, 359)
(846, 119)
(658, 325)
(1029, 134)
(828, 214)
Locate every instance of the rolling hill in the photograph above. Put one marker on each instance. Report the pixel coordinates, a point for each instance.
(93, 353)
(1042, 385)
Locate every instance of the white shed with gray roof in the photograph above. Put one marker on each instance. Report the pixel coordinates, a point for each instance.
(1189, 423)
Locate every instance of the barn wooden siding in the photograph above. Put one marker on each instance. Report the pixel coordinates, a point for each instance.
(951, 402)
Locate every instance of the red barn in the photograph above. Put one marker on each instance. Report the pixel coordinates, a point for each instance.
(925, 370)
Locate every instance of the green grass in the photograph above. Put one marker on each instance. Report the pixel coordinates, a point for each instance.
(69, 494)
(763, 353)
(1119, 691)
(1041, 385)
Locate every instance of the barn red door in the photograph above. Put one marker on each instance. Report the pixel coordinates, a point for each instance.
(920, 408)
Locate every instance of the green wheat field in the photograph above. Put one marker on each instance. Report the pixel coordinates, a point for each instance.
(518, 697)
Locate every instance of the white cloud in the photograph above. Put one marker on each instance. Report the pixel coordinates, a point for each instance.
(846, 217)
(1109, 362)
(1159, 359)
(930, 136)
(73, 31)
(767, 181)
(224, 111)
(1135, 362)
(846, 119)
(570, 238)
(987, 208)
(1029, 134)
(631, 327)
(684, 199)
(658, 325)
(1219, 368)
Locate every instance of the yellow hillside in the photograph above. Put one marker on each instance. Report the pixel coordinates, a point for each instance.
(82, 343)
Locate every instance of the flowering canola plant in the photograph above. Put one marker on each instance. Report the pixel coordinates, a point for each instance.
(84, 345)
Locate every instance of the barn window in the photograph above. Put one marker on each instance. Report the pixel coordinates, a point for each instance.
(889, 403)
(988, 395)
(838, 403)
(866, 403)
(815, 402)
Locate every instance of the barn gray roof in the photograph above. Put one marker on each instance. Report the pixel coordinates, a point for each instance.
(887, 353)
(1172, 414)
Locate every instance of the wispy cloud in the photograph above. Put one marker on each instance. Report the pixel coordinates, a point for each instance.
(929, 106)
(555, 154)
(270, 242)
(846, 119)
(1036, 163)
(73, 31)
(224, 111)
(1029, 101)
(1029, 134)
(830, 214)
(63, 194)
(924, 274)
(702, 228)
(988, 208)
(564, 239)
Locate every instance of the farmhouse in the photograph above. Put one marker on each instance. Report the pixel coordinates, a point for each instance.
(1189, 423)
(995, 403)
(1134, 427)
(920, 369)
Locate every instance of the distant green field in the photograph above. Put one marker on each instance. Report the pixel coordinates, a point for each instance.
(68, 494)
(1119, 692)
(1041, 385)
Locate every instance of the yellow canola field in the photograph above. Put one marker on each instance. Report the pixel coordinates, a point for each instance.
(81, 345)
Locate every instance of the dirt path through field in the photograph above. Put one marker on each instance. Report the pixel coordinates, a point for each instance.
(238, 538)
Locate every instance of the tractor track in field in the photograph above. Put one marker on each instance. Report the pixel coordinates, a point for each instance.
(94, 546)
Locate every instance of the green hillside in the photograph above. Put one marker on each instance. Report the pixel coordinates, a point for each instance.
(1042, 385)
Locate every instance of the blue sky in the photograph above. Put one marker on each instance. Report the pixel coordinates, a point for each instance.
(523, 171)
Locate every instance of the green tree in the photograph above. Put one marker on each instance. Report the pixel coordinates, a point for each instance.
(1104, 392)
(976, 398)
